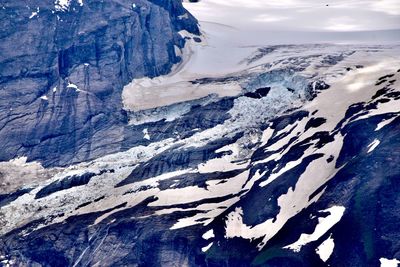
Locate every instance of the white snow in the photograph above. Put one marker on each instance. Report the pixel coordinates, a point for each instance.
(325, 250)
(73, 86)
(191, 194)
(63, 5)
(207, 212)
(266, 135)
(373, 145)
(146, 134)
(146, 93)
(209, 234)
(297, 16)
(389, 263)
(384, 123)
(225, 163)
(19, 173)
(338, 99)
(235, 227)
(324, 224)
(207, 247)
(34, 13)
(20, 161)
(184, 16)
(290, 165)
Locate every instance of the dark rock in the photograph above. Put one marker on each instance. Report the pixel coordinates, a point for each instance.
(7, 198)
(380, 82)
(314, 123)
(197, 39)
(330, 159)
(65, 183)
(290, 90)
(380, 92)
(385, 77)
(259, 93)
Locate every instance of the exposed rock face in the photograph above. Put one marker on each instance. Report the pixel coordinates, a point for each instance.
(62, 70)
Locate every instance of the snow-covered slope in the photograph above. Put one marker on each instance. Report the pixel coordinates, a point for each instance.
(246, 154)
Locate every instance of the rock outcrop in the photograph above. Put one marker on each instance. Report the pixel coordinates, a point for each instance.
(63, 67)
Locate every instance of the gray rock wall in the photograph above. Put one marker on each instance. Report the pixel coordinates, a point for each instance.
(62, 72)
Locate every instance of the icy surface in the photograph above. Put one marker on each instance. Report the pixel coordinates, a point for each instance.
(325, 249)
(297, 15)
(373, 145)
(389, 263)
(63, 5)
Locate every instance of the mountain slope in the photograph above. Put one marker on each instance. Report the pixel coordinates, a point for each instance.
(63, 67)
(244, 154)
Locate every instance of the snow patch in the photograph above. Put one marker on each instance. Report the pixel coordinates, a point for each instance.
(325, 250)
(373, 145)
(235, 226)
(389, 263)
(18, 173)
(20, 161)
(207, 247)
(184, 16)
(324, 224)
(225, 163)
(63, 5)
(35, 13)
(209, 234)
(384, 123)
(146, 134)
(73, 86)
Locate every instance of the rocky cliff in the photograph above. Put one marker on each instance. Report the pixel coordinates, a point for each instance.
(63, 65)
